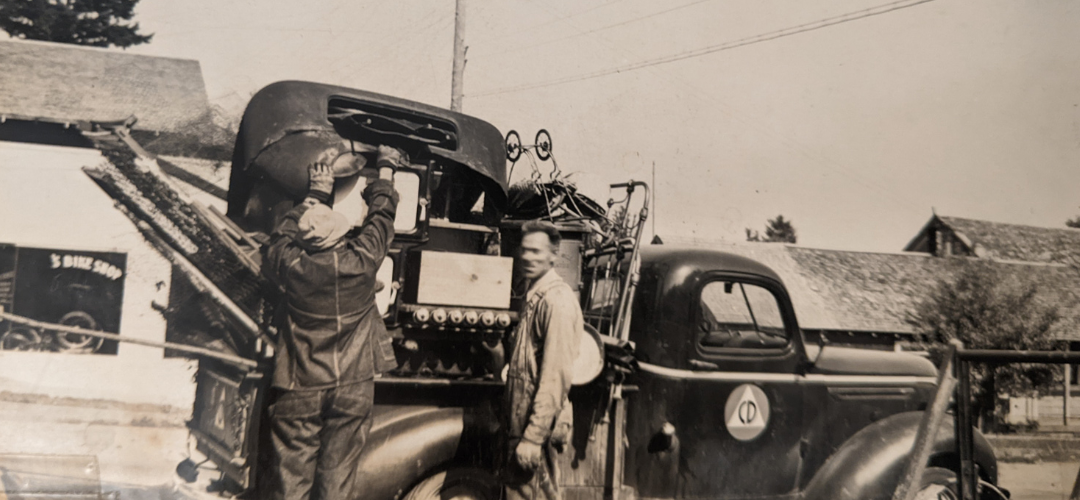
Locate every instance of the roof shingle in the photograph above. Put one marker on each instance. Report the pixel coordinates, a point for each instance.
(867, 291)
(68, 83)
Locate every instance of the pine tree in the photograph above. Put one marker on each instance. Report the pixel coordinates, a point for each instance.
(778, 230)
(98, 23)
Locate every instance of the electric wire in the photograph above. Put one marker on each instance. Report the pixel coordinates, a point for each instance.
(549, 23)
(602, 28)
(773, 35)
(790, 144)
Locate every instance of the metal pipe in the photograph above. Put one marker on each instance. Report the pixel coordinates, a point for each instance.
(621, 329)
(964, 435)
(928, 427)
(1004, 356)
(1067, 369)
(228, 358)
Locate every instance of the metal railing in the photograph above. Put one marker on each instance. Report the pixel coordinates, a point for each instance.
(955, 373)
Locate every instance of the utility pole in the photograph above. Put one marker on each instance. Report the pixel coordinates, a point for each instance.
(457, 85)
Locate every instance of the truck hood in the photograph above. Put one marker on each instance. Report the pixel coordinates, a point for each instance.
(849, 361)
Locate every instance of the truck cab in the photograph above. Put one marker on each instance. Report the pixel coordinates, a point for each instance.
(731, 402)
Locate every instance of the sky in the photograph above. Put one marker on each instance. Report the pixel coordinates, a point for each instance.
(857, 131)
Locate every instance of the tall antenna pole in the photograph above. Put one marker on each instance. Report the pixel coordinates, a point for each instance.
(652, 191)
(457, 85)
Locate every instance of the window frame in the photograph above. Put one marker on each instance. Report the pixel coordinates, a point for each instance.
(783, 303)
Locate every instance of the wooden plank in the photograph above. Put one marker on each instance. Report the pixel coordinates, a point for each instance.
(584, 463)
(218, 229)
(234, 228)
(459, 279)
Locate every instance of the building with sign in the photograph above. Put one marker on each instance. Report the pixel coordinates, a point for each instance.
(67, 255)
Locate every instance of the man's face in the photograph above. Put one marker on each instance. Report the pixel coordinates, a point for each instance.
(537, 255)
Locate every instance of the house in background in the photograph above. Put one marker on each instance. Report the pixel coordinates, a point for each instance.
(52, 94)
(863, 299)
(954, 236)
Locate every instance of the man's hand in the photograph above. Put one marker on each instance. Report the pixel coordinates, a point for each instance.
(322, 178)
(528, 455)
(389, 160)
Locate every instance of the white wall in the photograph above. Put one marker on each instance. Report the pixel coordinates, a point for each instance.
(46, 200)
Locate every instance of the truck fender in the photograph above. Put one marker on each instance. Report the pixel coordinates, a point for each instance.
(405, 445)
(870, 463)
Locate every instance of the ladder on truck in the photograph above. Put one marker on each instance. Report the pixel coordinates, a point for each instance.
(611, 276)
(611, 268)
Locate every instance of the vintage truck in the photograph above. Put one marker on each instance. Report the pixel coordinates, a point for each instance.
(710, 389)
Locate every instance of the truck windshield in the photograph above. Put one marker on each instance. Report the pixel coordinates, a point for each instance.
(740, 315)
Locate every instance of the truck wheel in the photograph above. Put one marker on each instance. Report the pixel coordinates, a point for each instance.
(457, 484)
(937, 484)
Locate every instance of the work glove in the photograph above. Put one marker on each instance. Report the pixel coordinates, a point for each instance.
(321, 180)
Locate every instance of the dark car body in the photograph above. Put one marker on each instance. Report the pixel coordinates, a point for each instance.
(818, 399)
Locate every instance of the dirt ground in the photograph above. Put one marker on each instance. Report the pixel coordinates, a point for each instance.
(1038, 481)
(120, 439)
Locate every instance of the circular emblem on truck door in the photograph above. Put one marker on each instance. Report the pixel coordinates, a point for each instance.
(746, 413)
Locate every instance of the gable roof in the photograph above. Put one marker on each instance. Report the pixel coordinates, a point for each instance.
(874, 292)
(69, 83)
(1001, 241)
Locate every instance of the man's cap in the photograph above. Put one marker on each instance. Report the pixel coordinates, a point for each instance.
(321, 227)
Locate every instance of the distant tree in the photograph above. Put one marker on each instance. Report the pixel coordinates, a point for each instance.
(987, 309)
(98, 23)
(777, 230)
(1075, 223)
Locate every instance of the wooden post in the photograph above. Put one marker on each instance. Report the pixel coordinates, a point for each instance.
(456, 84)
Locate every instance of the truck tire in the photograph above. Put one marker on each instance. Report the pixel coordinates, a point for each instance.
(937, 484)
(457, 484)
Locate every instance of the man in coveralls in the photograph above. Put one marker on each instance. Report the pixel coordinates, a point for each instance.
(543, 349)
(334, 341)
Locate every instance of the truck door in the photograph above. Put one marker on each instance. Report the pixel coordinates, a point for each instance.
(741, 416)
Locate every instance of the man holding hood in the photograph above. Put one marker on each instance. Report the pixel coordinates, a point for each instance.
(334, 341)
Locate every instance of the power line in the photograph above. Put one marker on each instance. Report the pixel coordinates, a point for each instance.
(773, 35)
(790, 144)
(603, 28)
(553, 21)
